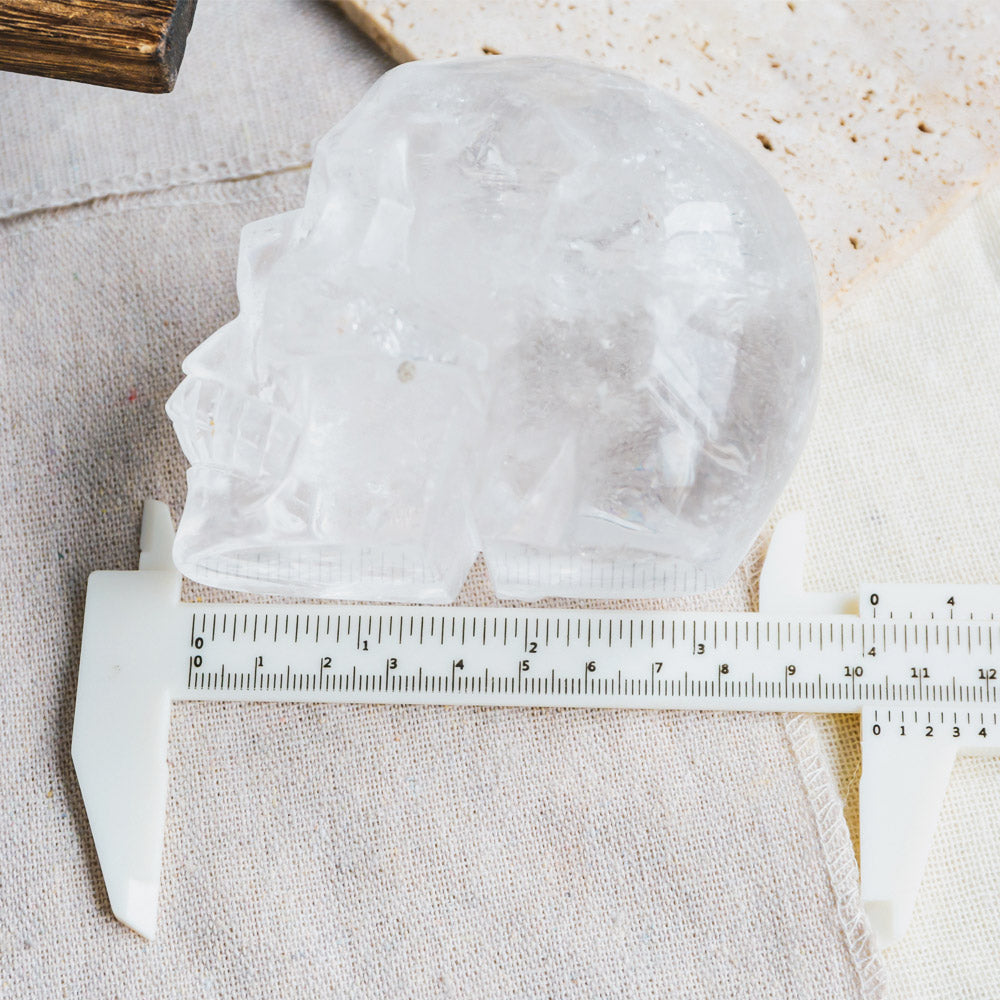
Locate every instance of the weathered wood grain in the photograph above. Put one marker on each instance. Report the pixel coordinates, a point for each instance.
(128, 44)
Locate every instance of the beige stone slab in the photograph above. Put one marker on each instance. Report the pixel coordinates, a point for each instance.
(875, 117)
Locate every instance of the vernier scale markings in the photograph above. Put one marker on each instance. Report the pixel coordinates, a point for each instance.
(919, 663)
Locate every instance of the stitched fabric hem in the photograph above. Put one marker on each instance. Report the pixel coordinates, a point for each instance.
(835, 843)
(151, 181)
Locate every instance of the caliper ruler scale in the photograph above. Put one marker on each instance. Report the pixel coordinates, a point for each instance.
(908, 655)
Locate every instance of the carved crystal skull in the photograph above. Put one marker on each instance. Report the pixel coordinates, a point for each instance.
(530, 307)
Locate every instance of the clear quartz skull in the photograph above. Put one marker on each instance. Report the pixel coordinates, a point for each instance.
(530, 307)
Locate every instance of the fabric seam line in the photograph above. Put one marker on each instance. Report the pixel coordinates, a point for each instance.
(838, 854)
(152, 181)
(137, 201)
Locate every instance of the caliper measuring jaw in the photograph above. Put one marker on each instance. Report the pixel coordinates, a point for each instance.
(141, 650)
(902, 788)
(122, 718)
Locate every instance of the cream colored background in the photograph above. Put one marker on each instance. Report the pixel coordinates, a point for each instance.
(381, 852)
(901, 481)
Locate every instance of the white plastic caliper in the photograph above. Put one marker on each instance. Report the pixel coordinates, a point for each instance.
(919, 663)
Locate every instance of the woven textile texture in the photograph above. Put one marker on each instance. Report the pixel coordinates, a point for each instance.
(901, 480)
(350, 851)
(378, 852)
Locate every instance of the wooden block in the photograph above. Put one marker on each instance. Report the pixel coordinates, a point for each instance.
(129, 44)
(876, 117)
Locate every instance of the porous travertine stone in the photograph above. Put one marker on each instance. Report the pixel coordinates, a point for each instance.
(877, 118)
